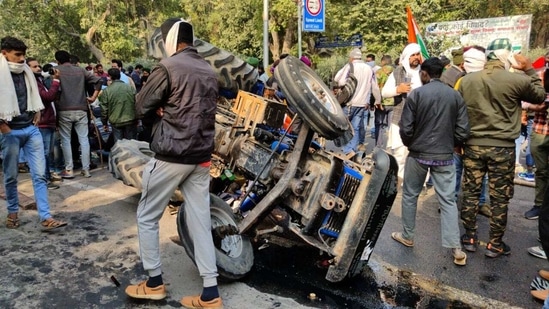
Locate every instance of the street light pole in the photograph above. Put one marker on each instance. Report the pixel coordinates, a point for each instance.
(299, 2)
(265, 34)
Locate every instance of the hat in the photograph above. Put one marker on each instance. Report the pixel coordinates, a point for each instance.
(253, 61)
(497, 44)
(306, 60)
(355, 54)
(457, 56)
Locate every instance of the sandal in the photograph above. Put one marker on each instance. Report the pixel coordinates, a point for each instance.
(51, 223)
(12, 223)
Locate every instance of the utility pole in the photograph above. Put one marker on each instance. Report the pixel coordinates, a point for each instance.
(299, 9)
(265, 34)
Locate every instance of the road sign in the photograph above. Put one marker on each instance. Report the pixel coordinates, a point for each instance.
(313, 16)
(323, 42)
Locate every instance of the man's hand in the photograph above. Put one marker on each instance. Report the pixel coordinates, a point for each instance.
(4, 128)
(160, 112)
(523, 63)
(36, 119)
(56, 74)
(404, 88)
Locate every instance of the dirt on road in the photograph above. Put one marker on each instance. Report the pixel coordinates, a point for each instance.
(71, 267)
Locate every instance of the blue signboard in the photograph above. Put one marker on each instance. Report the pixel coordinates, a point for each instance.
(354, 41)
(313, 16)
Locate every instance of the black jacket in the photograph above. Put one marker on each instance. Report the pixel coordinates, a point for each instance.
(433, 121)
(186, 87)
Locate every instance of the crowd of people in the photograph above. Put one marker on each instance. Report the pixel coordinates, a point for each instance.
(457, 124)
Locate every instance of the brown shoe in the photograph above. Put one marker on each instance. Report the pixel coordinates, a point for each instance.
(142, 291)
(544, 274)
(540, 294)
(398, 237)
(194, 302)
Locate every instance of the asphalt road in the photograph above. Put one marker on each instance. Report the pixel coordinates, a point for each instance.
(71, 268)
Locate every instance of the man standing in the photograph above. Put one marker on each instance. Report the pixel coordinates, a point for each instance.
(48, 119)
(366, 85)
(493, 97)
(19, 113)
(136, 77)
(117, 64)
(180, 96)
(404, 79)
(118, 107)
(433, 120)
(381, 123)
(73, 109)
(452, 74)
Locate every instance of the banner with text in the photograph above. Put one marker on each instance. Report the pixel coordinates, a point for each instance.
(482, 31)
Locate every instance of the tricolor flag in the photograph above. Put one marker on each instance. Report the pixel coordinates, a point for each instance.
(414, 36)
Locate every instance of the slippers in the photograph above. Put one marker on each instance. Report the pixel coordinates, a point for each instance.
(51, 223)
(12, 223)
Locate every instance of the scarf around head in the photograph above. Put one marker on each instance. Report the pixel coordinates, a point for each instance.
(171, 38)
(9, 106)
(408, 51)
(474, 60)
(500, 49)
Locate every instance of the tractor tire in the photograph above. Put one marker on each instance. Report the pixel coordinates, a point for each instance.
(311, 98)
(234, 253)
(127, 161)
(232, 73)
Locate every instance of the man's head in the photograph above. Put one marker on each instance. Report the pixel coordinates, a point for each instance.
(370, 57)
(474, 58)
(99, 68)
(114, 73)
(34, 65)
(386, 59)
(62, 56)
(13, 49)
(355, 54)
(177, 34)
(500, 49)
(431, 68)
(138, 68)
(116, 64)
(411, 56)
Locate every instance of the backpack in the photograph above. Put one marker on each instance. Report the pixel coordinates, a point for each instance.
(347, 91)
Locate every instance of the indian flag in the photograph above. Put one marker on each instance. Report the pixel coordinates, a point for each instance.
(414, 35)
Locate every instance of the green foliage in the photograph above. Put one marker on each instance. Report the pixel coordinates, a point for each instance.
(102, 29)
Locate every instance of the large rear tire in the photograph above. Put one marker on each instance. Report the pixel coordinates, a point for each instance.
(234, 253)
(312, 99)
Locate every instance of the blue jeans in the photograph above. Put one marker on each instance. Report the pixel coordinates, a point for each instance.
(546, 303)
(444, 181)
(458, 162)
(366, 120)
(30, 140)
(80, 121)
(47, 136)
(356, 117)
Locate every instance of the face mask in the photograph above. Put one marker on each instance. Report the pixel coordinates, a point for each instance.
(45, 74)
(371, 63)
(16, 68)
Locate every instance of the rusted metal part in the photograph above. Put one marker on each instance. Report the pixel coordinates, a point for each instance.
(300, 149)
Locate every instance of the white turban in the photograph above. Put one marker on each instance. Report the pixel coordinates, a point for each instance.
(474, 60)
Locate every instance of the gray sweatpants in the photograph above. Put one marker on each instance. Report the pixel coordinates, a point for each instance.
(160, 179)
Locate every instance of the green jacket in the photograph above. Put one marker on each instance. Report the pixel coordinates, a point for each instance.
(493, 97)
(118, 104)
